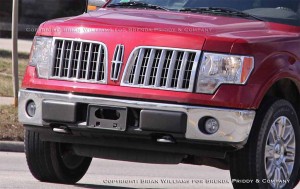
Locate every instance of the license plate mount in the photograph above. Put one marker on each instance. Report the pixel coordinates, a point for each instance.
(107, 117)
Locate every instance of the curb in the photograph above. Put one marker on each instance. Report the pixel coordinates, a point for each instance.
(11, 146)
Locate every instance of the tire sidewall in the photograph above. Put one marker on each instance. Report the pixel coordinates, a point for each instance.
(278, 108)
(66, 174)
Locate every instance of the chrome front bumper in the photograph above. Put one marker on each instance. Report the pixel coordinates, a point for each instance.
(235, 125)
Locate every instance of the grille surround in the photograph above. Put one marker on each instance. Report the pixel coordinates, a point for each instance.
(156, 66)
(95, 57)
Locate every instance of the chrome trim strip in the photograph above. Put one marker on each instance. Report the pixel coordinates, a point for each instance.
(235, 125)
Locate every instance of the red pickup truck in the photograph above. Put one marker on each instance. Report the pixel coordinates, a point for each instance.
(167, 81)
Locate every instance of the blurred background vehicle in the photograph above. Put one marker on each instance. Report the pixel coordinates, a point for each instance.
(33, 12)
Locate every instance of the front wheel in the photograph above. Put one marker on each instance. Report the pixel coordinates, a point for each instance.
(271, 157)
(53, 162)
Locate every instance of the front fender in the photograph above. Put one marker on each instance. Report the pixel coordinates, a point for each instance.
(278, 66)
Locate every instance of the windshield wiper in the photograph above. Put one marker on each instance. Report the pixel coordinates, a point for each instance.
(221, 11)
(137, 5)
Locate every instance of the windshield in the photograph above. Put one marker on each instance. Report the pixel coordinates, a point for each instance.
(280, 11)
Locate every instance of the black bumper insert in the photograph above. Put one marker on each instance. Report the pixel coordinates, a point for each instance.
(163, 121)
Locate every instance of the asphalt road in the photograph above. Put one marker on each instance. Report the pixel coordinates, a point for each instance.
(105, 174)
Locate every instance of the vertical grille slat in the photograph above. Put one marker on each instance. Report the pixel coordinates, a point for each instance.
(58, 53)
(144, 66)
(65, 59)
(70, 59)
(154, 67)
(77, 60)
(138, 66)
(98, 64)
(165, 69)
(93, 63)
(115, 59)
(181, 72)
(162, 68)
(188, 71)
(177, 66)
(117, 62)
(61, 59)
(150, 65)
(171, 69)
(84, 60)
(132, 71)
(88, 62)
(65, 66)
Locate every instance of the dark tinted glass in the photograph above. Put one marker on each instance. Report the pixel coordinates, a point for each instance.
(280, 11)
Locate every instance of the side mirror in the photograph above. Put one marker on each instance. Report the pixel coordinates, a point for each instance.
(95, 4)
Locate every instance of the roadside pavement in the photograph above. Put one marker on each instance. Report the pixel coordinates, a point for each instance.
(23, 45)
(6, 100)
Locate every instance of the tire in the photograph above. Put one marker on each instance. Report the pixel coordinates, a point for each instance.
(267, 155)
(53, 162)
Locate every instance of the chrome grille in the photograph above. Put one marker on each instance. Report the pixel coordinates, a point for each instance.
(161, 68)
(116, 63)
(77, 60)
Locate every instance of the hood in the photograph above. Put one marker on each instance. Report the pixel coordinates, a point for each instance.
(152, 27)
(161, 21)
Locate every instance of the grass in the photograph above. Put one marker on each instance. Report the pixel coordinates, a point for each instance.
(6, 71)
(6, 85)
(10, 128)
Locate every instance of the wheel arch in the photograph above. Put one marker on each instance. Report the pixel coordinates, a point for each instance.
(284, 88)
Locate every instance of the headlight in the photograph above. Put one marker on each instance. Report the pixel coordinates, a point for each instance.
(217, 69)
(40, 56)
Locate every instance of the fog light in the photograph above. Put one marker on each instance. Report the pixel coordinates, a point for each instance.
(211, 125)
(30, 108)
